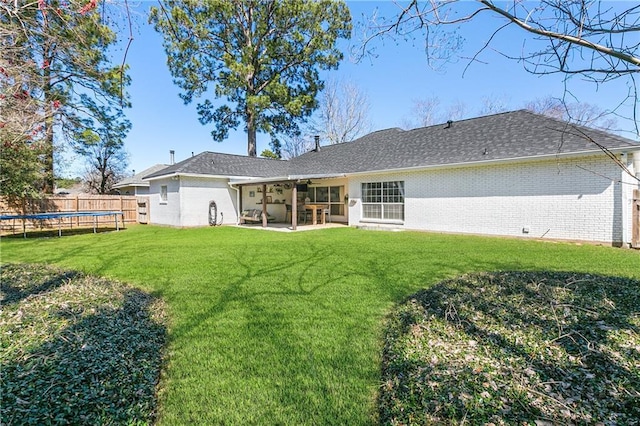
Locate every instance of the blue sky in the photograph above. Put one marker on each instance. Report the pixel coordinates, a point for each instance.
(392, 80)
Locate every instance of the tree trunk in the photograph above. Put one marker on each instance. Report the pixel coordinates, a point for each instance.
(251, 134)
(49, 175)
(251, 148)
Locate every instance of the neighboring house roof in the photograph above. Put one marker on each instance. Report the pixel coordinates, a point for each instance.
(506, 136)
(511, 135)
(136, 180)
(75, 189)
(217, 164)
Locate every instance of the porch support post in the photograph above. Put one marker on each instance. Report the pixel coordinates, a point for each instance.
(294, 207)
(264, 205)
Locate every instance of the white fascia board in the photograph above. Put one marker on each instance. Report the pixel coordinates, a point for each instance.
(257, 180)
(196, 175)
(290, 178)
(134, 184)
(318, 176)
(499, 161)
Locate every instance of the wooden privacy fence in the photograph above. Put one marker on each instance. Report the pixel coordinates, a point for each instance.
(68, 204)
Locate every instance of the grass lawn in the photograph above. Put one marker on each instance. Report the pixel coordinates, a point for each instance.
(275, 328)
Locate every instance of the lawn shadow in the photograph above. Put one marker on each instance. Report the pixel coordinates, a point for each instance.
(18, 282)
(52, 231)
(237, 290)
(270, 329)
(102, 368)
(516, 346)
(273, 298)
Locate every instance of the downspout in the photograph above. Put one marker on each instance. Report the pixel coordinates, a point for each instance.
(636, 164)
(180, 200)
(294, 206)
(627, 184)
(238, 201)
(632, 212)
(264, 205)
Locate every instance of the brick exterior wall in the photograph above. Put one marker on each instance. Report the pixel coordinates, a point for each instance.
(572, 199)
(160, 212)
(195, 198)
(188, 201)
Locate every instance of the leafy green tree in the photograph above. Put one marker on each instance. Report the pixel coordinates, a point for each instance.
(62, 182)
(21, 169)
(54, 62)
(262, 56)
(103, 149)
(267, 153)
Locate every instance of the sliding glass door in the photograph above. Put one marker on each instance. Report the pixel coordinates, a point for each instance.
(332, 195)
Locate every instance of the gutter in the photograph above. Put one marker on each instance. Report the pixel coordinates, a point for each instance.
(636, 163)
(136, 185)
(237, 202)
(290, 178)
(195, 175)
(257, 180)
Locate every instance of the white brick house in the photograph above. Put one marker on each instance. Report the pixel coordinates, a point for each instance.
(512, 174)
(554, 199)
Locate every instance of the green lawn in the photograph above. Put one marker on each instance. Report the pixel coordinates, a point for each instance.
(275, 328)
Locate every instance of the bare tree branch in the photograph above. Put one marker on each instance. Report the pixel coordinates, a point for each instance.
(580, 41)
(594, 39)
(343, 114)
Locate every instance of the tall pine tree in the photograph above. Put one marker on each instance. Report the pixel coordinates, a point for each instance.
(54, 62)
(262, 56)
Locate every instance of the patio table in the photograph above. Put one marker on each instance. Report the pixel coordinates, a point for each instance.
(314, 209)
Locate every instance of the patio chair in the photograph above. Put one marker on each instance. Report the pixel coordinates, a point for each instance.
(288, 216)
(303, 214)
(327, 212)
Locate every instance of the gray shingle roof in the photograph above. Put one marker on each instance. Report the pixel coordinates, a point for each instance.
(137, 179)
(511, 135)
(214, 163)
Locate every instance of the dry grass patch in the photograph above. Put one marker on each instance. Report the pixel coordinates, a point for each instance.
(77, 349)
(515, 348)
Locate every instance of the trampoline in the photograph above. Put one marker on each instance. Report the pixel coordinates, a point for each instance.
(63, 215)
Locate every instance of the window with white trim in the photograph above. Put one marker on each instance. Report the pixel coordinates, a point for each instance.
(383, 200)
(163, 193)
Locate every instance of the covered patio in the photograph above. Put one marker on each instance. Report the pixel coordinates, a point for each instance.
(292, 202)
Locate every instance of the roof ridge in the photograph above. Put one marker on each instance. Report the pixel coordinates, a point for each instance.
(478, 117)
(583, 128)
(239, 155)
